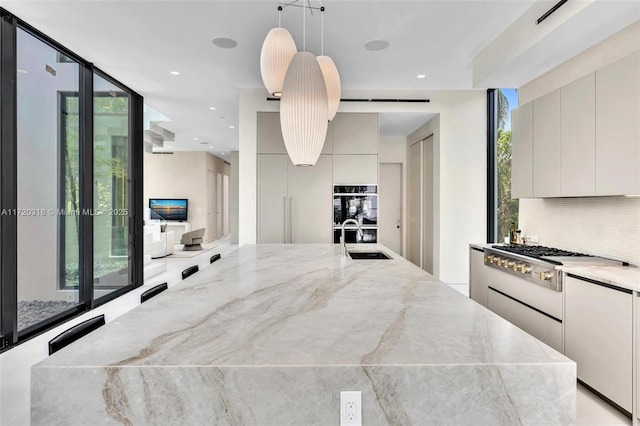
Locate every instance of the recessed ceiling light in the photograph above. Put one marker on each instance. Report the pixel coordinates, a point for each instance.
(212, 108)
(175, 72)
(376, 45)
(232, 127)
(225, 42)
(21, 71)
(222, 153)
(195, 139)
(422, 75)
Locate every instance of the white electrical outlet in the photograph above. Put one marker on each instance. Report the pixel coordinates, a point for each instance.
(350, 408)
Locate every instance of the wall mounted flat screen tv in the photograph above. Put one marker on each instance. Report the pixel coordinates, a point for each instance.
(168, 208)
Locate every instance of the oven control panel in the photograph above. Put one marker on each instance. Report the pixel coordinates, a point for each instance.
(538, 272)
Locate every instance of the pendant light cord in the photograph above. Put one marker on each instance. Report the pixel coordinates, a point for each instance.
(304, 26)
(279, 16)
(322, 32)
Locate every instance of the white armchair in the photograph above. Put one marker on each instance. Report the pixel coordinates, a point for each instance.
(192, 240)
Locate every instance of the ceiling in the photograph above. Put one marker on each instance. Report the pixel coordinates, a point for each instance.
(139, 42)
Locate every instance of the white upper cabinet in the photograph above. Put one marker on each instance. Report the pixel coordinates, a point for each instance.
(269, 135)
(618, 127)
(355, 169)
(355, 133)
(546, 147)
(585, 137)
(578, 138)
(522, 151)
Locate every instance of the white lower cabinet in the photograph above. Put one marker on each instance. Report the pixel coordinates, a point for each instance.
(598, 327)
(477, 278)
(540, 326)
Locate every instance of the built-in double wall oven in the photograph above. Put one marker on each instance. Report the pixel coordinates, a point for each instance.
(358, 202)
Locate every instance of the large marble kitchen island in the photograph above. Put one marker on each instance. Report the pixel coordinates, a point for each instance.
(270, 335)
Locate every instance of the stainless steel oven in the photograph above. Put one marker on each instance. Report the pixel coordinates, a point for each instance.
(358, 202)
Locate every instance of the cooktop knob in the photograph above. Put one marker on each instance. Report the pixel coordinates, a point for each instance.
(546, 276)
(525, 269)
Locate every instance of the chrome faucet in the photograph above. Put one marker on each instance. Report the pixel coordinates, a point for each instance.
(342, 239)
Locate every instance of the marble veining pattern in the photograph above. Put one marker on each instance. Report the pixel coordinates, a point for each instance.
(271, 333)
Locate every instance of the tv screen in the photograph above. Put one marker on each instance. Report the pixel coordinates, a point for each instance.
(168, 209)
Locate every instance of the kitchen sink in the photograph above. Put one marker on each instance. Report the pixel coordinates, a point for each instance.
(358, 255)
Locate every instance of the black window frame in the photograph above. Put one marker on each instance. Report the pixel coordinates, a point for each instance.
(492, 169)
(9, 334)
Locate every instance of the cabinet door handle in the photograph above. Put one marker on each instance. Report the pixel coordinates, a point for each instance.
(284, 220)
(290, 219)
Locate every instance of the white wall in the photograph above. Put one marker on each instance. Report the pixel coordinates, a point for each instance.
(459, 193)
(251, 101)
(234, 198)
(183, 174)
(178, 175)
(605, 226)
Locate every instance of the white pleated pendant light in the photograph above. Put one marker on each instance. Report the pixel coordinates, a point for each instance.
(277, 50)
(332, 81)
(304, 110)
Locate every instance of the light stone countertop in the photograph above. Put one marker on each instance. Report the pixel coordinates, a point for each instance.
(627, 277)
(385, 325)
(296, 304)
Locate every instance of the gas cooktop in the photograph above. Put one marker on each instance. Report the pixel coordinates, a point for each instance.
(539, 252)
(538, 264)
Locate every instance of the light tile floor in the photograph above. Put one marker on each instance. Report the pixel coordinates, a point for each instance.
(15, 364)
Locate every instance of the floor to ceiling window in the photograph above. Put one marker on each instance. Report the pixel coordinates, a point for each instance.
(45, 152)
(503, 210)
(111, 189)
(71, 174)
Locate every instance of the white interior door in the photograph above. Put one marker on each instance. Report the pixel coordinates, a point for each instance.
(414, 203)
(218, 205)
(225, 204)
(427, 205)
(211, 208)
(390, 206)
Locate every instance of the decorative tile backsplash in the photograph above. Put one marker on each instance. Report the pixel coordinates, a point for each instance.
(602, 226)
